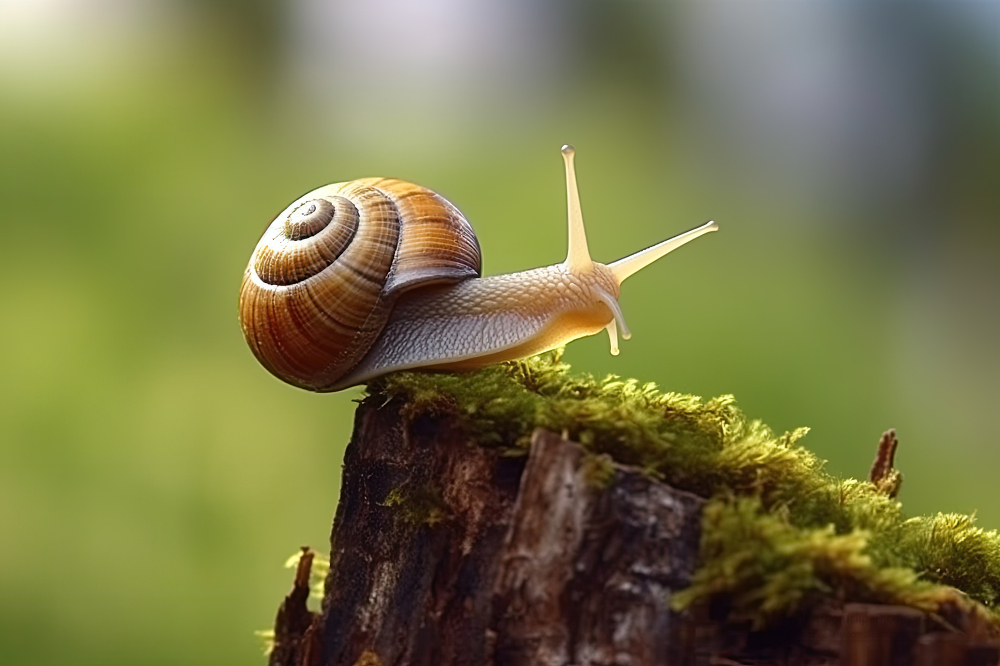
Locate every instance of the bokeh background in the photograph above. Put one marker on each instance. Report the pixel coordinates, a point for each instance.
(153, 478)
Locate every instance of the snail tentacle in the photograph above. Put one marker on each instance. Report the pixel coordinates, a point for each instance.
(612, 330)
(577, 253)
(632, 264)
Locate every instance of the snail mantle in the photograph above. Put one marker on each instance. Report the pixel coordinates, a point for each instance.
(519, 515)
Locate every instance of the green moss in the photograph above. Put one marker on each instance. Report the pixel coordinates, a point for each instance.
(368, 658)
(599, 470)
(779, 532)
(765, 568)
(266, 637)
(417, 506)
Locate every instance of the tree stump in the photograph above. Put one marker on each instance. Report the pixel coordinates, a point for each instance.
(445, 552)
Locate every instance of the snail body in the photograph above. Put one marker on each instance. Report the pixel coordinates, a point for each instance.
(359, 279)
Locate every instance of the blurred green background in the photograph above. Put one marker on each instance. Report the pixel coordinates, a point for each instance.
(153, 477)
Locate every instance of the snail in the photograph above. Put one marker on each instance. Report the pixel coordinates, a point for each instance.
(362, 278)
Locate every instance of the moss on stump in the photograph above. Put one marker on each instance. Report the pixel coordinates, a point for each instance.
(781, 541)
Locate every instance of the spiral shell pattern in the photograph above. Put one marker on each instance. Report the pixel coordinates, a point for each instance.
(322, 280)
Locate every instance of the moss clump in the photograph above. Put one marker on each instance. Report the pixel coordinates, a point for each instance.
(417, 506)
(599, 470)
(764, 567)
(368, 658)
(779, 533)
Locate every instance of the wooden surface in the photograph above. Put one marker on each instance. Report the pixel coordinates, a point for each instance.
(446, 553)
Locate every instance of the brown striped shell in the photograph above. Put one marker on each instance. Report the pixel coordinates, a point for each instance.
(321, 283)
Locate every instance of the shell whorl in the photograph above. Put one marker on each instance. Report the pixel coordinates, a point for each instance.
(322, 280)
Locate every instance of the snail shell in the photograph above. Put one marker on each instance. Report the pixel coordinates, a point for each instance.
(322, 281)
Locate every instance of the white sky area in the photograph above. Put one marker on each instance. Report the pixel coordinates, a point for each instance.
(447, 63)
(442, 39)
(75, 50)
(809, 89)
(50, 40)
(444, 61)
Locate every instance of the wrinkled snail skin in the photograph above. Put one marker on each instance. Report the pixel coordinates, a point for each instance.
(359, 279)
(473, 323)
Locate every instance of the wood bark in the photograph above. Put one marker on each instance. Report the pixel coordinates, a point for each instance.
(444, 552)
